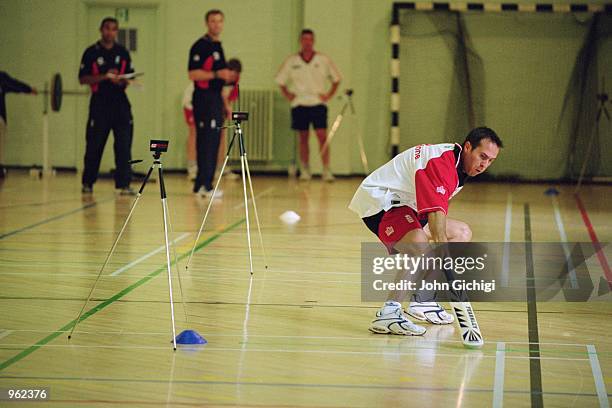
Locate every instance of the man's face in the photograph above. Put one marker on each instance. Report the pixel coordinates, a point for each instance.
(307, 42)
(109, 31)
(215, 24)
(477, 160)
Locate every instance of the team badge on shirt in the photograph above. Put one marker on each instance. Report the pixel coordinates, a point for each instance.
(409, 218)
(196, 57)
(117, 59)
(441, 190)
(100, 60)
(216, 56)
(389, 231)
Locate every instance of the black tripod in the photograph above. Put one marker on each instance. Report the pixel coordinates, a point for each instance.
(157, 147)
(603, 99)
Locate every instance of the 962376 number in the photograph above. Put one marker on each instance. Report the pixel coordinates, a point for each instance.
(24, 394)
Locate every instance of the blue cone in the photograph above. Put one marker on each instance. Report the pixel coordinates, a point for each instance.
(551, 192)
(190, 337)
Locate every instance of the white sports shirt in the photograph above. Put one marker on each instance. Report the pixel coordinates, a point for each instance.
(307, 80)
(423, 177)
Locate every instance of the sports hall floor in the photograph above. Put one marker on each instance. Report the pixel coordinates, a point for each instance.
(293, 335)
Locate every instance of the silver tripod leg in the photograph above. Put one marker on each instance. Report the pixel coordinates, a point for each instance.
(362, 153)
(195, 243)
(332, 132)
(110, 253)
(246, 209)
(248, 173)
(176, 265)
(165, 211)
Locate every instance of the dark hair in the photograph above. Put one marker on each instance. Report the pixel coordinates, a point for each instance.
(109, 20)
(212, 13)
(234, 64)
(479, 133)
(307, 31)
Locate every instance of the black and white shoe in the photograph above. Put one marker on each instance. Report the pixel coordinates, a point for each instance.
(431, 312)
(391, 320)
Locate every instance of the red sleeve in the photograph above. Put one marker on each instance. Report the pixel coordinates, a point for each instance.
(435, 183)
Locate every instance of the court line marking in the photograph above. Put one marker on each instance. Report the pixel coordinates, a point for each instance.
(414, 350)
(24, 353)
(601, 256)
(287, 384)
(535, 368)
(600, 385)
(370, 338)
(208, 269)
(498, 386)
(147, 256)
(54, 218)
(382, 338)
(568, 256)
(5, 332)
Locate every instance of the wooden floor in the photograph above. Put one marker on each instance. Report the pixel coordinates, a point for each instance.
(293, 335)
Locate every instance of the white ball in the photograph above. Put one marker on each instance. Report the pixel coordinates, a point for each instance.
(290, 217)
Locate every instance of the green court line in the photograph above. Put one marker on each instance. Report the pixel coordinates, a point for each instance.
(110, 300)
(57, 217)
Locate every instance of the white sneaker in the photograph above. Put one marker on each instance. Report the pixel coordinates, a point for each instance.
(391, 319)
(305, 174)
(203, 192)
(328, 176)
(431, 312)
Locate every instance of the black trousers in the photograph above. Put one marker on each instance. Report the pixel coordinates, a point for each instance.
(104, 116)
(208, 117)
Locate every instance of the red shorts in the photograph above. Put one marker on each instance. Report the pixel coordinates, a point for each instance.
(189, 116)
(396, 223)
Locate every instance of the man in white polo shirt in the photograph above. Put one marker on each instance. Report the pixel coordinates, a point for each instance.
(405, 203)
(308, 80)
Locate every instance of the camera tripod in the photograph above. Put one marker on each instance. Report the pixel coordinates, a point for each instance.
(157, 147)
(237, 117)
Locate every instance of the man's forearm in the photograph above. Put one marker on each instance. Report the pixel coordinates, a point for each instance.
(333, 90)
(91, 79)
(201, 75)
(437, 226)
(285, 92)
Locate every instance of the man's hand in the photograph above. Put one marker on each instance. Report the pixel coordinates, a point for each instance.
(324, 97)
(227, 75)
(288, 95)
(113, 76)
(34, 91)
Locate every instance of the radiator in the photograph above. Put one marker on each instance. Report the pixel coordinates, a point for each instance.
(258, 130)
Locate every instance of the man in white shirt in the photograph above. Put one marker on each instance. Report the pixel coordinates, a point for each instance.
(304, 79)
(405, 204)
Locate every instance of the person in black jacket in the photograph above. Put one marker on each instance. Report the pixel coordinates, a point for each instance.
(208, 70)
(109, 108)
(8, 84)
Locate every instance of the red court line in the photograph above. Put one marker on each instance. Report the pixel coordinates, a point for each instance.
(603, 261)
